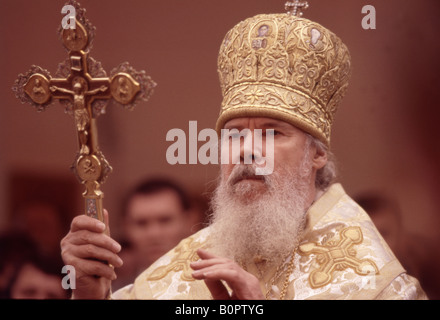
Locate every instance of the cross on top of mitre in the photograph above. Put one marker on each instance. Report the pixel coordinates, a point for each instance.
(295, 8)
(84, 74)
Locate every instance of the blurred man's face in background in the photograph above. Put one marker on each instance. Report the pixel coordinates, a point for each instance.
(155, 223)
(33, 283)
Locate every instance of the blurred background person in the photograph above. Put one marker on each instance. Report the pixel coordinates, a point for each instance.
(25, 273)
(157, 214)
(414, 252)
(42, 221)
(38, 278)
(14, 247)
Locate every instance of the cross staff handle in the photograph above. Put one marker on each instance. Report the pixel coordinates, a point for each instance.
(93, 204)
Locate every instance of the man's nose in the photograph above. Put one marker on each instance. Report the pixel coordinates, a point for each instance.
(248, 151)
(154, 231)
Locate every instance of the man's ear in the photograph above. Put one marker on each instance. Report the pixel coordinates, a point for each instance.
(319, 158)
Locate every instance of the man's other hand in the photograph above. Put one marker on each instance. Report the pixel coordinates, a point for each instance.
(212, 269)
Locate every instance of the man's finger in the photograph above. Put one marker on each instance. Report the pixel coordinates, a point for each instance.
(98, 239)
(204, 254)
(243, 286)
(90, 251)
(196, 265)
(217, 289)
(231, 276)
(83, 222)
(95, 268)
(107, 222)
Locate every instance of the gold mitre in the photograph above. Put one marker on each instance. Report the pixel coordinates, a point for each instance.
(284, 67)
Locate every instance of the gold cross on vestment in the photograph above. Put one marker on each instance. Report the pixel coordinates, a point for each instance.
(185, 253)
(83, 87)
(295, 8)
(337, 256)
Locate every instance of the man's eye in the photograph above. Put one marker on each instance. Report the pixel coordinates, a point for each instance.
(140, 222)
(164, 220)
(272, 132)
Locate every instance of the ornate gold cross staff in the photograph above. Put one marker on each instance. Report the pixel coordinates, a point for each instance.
(82, 86)
(295, 8)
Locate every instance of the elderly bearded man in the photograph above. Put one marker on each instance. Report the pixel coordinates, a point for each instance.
(293, 234)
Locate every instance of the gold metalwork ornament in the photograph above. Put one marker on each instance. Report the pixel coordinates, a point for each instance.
(124, 88)
(88, 168)
(37, 88)
(82, 85)
(295, 8)
(75, 39)
(337, 255)
(280, 66)
(286, 282)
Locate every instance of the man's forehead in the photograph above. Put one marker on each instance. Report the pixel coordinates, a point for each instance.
(263, 122)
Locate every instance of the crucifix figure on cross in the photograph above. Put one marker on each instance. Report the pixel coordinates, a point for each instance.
(83, 87)
(295, 8)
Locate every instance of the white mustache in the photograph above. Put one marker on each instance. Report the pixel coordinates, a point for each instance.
(244, 171)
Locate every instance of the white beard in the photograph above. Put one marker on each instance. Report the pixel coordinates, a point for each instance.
(247, 224)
